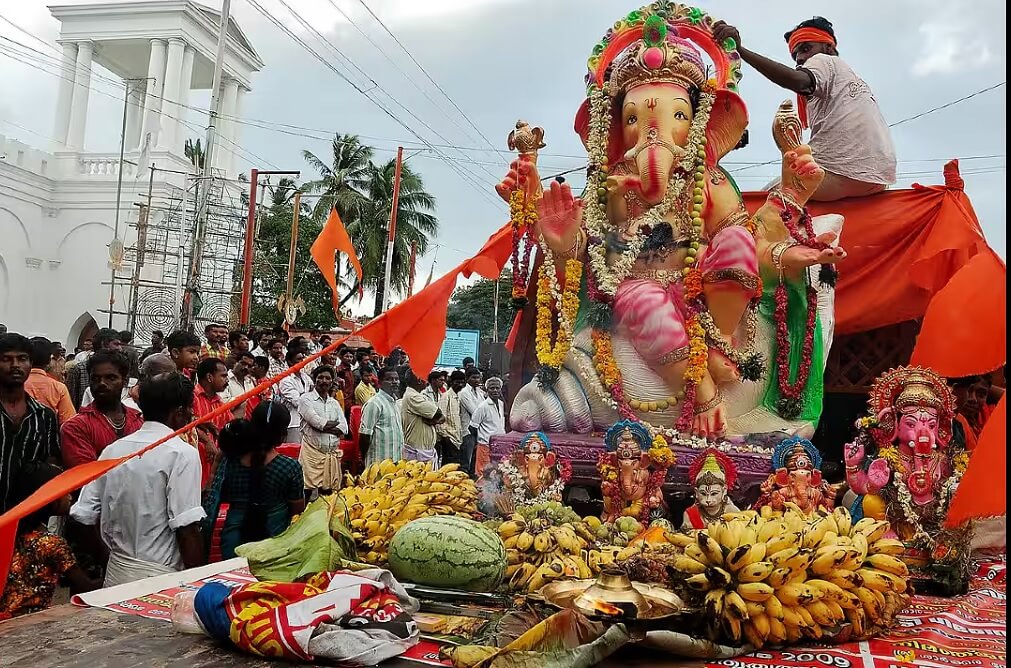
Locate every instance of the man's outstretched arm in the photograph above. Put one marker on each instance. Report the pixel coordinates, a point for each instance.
(798, 80)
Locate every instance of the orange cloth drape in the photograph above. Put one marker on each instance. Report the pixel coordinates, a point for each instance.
(418, 325)
(982, 491)
(902, 247)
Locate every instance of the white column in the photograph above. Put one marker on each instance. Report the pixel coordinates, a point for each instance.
(79, 104)
(134, 114)
(234, 128)
(170, 107)
(65, 96)
(223, 147)
(155, 86)
(183, 132)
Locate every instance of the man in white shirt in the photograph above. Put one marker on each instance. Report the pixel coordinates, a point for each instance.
(291, 388)
(240, 381)
(471, 397)
(323, 426)
(148, 510)
(849, 137)
(488, 420)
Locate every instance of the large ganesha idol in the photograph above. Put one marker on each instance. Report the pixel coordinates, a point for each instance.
(905, 465)
(672, 315)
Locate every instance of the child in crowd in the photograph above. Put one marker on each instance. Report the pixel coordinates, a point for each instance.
(40, 557)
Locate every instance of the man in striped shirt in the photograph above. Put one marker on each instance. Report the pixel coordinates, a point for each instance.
(381, 435)
(29, 431)
(216, 336)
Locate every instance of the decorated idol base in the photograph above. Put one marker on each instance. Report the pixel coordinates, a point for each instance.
(583, 452)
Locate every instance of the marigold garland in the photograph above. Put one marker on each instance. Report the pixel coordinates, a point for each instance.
(549, 355)
(661, 454)
(523, 216)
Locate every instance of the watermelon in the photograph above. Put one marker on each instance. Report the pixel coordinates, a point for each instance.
(447, 551)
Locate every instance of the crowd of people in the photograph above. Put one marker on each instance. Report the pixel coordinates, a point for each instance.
(159, 513)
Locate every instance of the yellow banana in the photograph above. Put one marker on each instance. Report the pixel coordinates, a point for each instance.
(752, 634)
(755, 591)
(735, 606)
(791, 616)
(838, 614)
(856, 617)
(699, 582)
(844, 578)
(770, 529)
(779, 559)
(714, 602)
(754, 608)
(510, 542)
(783, 541)
(881, 580)
(522, 576)
(871, 604)
(676, 538)
(733, 626)
(889, 564)
(801, 560)
(843, 520)
(827, 559)
(511, 528)
(820, 613)
(777, 632)
(693, 551)
(778, 577)
(712, 549)
(805, 614)
(544, 542)
(827, 590)
(718, 577)
(755, 572)
(761, 622)
(796, 593)
(688, 565)
(887, 546)
(774, 608)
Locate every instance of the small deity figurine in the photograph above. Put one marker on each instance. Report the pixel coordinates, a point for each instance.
(632, 471)
(713, 474)
(796, 478)
(534, 474)
(905, 465)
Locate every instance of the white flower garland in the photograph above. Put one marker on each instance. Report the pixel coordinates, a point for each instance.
(517, 485)
(566, 325)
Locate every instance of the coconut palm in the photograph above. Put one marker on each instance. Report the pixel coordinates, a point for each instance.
(369, 231)
(343, 178)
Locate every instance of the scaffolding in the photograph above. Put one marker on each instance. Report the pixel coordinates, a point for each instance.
(155, 266)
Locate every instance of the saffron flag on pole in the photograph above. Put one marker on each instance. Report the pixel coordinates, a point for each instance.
(334, 238)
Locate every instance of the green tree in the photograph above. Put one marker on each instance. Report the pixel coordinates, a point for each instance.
(415, 224)
(270, 263)
(473, 307)
(343, 181)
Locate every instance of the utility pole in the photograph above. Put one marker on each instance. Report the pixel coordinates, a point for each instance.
(247, 259)
(142, 221)
(288, 302)
(393, 230)
(494, 333)
(413, 264)
(196, 258)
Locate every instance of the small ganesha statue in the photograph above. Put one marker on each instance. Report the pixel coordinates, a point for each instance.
(713, 474)
(905, 465)
(534, 474)
(632, 470)
(796, 479)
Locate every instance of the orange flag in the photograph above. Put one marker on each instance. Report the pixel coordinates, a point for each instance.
(334, 238)
(982, 491)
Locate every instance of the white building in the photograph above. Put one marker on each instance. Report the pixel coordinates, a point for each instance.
(58, 205)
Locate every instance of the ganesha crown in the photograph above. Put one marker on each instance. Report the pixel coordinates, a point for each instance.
(673, 61)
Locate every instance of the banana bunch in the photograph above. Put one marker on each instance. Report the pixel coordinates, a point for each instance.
(538, 551)
(777, 579)
(388, 495)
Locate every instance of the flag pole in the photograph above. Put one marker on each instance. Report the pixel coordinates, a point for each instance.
(393, 227)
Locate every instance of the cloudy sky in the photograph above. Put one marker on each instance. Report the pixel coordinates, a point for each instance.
(499, 60)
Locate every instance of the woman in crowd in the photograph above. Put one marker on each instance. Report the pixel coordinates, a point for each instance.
(262, 488)
(40, 557)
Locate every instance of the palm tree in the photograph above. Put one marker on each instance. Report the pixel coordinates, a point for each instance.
(415, 224)
(343, 178)
(194, 153)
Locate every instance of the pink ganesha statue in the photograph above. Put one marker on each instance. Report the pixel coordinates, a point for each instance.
(673, 265)
(905, 465)
(535, 474)
(796, 479)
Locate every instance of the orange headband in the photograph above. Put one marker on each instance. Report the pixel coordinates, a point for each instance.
(801, 35)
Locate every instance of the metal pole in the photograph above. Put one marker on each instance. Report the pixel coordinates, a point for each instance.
(119, 197)
(494, 334)
(393, 227)
(293, 247)
(182, 232)
(413, 264)
(247, 258)
(142, 221)
(196, 259)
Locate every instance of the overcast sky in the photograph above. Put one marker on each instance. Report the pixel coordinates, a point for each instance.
(499, 60)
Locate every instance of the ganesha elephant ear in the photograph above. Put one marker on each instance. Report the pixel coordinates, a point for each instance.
(727, 123)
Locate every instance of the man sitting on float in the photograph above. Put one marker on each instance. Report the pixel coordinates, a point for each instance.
(849, 135)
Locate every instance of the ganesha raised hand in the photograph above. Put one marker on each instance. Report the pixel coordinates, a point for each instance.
(559, 214)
